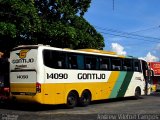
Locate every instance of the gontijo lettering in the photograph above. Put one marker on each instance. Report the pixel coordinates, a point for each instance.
(30, 60)
(22, 55)
(91, 76)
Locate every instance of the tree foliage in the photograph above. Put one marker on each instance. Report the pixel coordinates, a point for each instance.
(58, 23)
(19, 20)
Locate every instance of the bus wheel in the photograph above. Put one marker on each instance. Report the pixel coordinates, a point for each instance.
(85, 99)
(137, 93)
(71, 99)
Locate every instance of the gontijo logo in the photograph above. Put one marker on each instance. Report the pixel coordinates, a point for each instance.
(22, 57)
(22, 54)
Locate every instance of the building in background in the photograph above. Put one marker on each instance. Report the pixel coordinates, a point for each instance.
(155, 66)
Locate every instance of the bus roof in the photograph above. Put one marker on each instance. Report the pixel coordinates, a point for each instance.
(98, 51)
(87, 51)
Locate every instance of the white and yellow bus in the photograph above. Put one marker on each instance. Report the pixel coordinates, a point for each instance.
(49, 75)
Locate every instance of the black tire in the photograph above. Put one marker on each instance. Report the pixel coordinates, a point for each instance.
(137, 93)
(85, 98)
(71, 100)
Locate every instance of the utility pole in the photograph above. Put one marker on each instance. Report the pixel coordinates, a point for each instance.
(113, 5)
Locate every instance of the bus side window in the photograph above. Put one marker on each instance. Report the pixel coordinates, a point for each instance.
(137, 66)
(90, 63)
(127, 64)
(116, 64)
(58, 61)
(72, 62)
(54, 59)
(104, 63)
(80, 61)
(47, 56)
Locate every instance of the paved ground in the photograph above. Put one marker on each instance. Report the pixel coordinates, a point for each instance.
(148, 107)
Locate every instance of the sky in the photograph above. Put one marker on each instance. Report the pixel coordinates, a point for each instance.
(129, 27)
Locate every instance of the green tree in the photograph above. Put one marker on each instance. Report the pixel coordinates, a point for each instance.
(19, 21)
(63, 24)
(57, 23)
